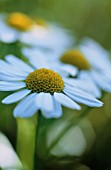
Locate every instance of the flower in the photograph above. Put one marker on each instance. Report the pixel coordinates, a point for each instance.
(11, 26)
(40, 88)
(94, 64)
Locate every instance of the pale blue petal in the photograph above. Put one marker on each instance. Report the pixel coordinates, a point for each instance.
(89, 84)
(16, 62)
(78, 91)
(12, 70)
(102, 81)
(84, 85)
(92, 44)
(81, 98)
(94, 52)
(66, 101)
(5, 77)
(39, 61)
(44, 101)
(61, 72)
(9, 37)
(56, 113)
(57, 109)
(69, 69)
(37, 57)
(27, 107)
(47, 115)
(10, 86)
(7, 34)
(16, 96)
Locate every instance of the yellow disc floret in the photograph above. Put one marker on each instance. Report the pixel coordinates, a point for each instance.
(19, 21)
(44, 80)
(76, 58)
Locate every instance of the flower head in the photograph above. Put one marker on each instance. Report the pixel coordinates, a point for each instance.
(11, 26)
(93, 63)
(44, 80)
(75, 58)
(40, 88)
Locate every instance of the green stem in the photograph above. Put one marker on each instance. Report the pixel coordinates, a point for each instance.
(26, 141)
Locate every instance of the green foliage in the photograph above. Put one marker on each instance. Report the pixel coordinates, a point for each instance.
(13, 48)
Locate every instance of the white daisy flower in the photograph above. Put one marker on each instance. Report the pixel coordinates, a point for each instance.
(49, 37)
(40, 88)
(94, 64)
(12, 25)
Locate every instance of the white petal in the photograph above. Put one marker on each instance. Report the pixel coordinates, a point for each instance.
(12, 70)
(57, 109)
(47, 115)
(16, 96)
(10, 86)
(102, 81)
(7, 34)
(56, 113)
(39, 61)
(8, 157)
(27, 107)
(77, 91)
(70, 69)
(5, 77)
(94, 52)
(89, 85)
(81, 98)
(9, 37)
(66, 101)
(18, 63)
(44, 101)
(36, 57)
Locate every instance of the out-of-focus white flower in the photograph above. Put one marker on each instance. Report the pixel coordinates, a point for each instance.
(100, 71)
(8, 157)
(11, 26)
(94, 64)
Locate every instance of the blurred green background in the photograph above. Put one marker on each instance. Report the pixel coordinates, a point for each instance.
(86, 17)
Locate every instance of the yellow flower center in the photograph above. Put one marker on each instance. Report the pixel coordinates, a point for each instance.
(44, 80)
(76, 58)
(19, 21)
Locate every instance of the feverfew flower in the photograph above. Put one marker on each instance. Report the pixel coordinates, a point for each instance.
(11, 25)
(39, 88)
(94, 65)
